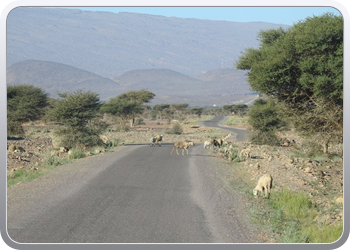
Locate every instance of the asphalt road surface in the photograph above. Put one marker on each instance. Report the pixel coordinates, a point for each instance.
(216, 122)
(138, 194)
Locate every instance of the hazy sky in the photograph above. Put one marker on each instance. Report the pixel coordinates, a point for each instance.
(280, 15)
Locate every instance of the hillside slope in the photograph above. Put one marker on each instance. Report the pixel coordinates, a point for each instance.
(56, 77)
(110, 44)
(221, 86)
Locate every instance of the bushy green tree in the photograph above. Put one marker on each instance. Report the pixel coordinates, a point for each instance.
(122, 109)
(78, 112)
(179, 109)
(302, 68)
(140, 96)
(197, 110)
(24, 103)
(240, 109)
(159, 109)
(128, 105)
(265, 119)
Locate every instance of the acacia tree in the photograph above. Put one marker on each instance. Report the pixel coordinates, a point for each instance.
(140, 96)
(237, 108)
(24, 103)
(159, 109)
(179, 108)
(302, 68)
(77, 112)
(197, 111)
(128, 105)
(122, 109)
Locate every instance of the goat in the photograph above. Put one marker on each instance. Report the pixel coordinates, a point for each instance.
(207, 144)
(217, 143)
(264, 184)
(159, 138)
(182, 144)
(152, 141)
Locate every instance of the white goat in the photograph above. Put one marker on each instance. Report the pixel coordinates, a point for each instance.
(182, 144)
(207, 144)
(264, 183)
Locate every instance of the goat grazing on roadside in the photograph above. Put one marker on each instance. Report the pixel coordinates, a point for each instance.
(159, 139)
(217, 142)
(152, 141)
(264, 184)
(207, 144)
(184, 145)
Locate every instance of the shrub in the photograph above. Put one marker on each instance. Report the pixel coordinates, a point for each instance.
(113, 143)
(264, 138)
(265, 119)
(76, 153)
(54, 161)
(14, 128)
(24, 103)
(176, 129)
(70, 138)
(78, 111)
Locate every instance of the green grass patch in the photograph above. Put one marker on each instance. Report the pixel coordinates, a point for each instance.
(236, 121)
(321, 233)
(290, 217)
(76, 153)
(293, 204)
(22, 175)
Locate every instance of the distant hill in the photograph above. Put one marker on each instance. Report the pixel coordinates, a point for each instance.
(162, 81)
(110, 44)
(221, 86)
(56, 77)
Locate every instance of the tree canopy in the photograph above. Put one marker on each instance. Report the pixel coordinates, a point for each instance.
(128, 105)
(140, 96)
(75, 109)
(303, 62)
(24, 103)
(122, 108)
(302, 68)
(78, 111)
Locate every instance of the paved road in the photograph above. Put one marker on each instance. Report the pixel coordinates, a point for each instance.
(138, 194)
(217, 121)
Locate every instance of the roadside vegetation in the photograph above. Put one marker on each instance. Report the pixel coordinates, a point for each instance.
(299, 76)
(298, 73)
(296, 212)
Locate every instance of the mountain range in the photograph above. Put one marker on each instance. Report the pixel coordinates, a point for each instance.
(218, 87)
(178, 58)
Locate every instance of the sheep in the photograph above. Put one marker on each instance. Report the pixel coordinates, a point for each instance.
(159, 138)
(207, 144)
(264, 183)
(152, 141)
(246, 153)
(16, 149)
(184, 145)
(217, 143)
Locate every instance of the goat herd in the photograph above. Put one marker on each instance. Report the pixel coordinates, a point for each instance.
(265, 181)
